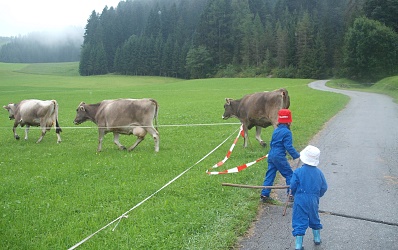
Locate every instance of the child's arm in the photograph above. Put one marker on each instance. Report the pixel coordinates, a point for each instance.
(294, 181)
(324, 186)
(288, 144)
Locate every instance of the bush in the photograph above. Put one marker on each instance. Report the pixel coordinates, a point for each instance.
(287, 72)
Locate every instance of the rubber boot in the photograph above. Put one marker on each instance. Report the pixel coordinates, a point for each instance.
(299, 242)
(317, 236)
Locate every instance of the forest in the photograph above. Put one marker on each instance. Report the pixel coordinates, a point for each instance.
(190, 39)
(43, 46)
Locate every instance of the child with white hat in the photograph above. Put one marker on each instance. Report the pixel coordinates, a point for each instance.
(307, 185)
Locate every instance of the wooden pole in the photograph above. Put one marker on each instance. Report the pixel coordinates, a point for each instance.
(287, 203)
(249, 186)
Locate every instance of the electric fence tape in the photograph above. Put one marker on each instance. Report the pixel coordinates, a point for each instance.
(124, 215)
(238, 168)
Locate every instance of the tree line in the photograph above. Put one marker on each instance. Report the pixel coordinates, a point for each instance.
(231, 38)
(317, 39)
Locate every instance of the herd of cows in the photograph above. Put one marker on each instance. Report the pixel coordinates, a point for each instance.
(136, 116)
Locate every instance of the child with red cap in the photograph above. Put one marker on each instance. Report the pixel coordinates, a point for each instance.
(282, 141)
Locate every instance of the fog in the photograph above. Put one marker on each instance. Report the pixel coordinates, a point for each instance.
(70, 35)
(22, 17)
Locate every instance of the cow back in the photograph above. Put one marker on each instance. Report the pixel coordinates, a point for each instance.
(34, 111)
(262, 108)
(126, 112)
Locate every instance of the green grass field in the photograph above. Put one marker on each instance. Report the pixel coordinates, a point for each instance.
(55, 195)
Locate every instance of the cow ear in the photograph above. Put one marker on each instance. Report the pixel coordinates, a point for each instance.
(82, 108)
(228, 100)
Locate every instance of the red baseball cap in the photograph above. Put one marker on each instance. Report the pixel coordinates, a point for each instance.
(284, 116)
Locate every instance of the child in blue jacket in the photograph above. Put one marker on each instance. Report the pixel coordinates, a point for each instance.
(307, 185)
(282, 141)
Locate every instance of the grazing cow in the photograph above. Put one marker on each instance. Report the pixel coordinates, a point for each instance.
(258, 110)
(35, 113)
(121, 116)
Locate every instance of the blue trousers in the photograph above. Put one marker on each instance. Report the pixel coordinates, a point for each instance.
(274, 165)
(305, 213)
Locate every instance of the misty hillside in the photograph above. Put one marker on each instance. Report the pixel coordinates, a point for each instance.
(4, 40)
(40, 47)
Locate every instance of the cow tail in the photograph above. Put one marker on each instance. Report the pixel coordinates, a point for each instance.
(285, 99)
(57, 127)
(155, 116)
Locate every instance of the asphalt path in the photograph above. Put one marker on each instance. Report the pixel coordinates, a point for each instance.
(359, 158)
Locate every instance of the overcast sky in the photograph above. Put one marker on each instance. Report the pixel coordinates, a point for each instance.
(21, 17)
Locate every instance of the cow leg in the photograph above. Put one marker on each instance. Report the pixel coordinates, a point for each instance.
(245, 136)
(152, 131)
(140, 133)
(58, 138)
(26, 132)
(14, 131)
(139, 139)
(258, 136)
(44, 129)
(43, 133)
(117, 142)
(101, 133)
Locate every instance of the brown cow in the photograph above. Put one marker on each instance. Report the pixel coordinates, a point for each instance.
(121, 116)
(258, 110)
(34, 113)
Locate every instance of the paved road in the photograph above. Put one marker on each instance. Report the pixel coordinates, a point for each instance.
(359, 157)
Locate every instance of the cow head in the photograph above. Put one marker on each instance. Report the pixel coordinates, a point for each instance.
(229, 110)
(11, 110)
(81, 114)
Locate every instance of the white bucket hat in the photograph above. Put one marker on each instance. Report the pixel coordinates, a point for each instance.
(310, 155)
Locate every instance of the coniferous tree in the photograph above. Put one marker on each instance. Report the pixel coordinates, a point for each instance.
(269, 36)
(110, 42)
(199, 62)
(282, 46)
(241, 16)
(99, 59)
(304, 47)
(247, 31)
(319, 63)
(86, 66)
(214, 31)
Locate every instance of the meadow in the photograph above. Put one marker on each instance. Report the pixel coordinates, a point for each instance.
(53, 195)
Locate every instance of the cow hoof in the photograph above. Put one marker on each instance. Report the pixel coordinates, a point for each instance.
(264, 144)
(123, 148)
(17, 137)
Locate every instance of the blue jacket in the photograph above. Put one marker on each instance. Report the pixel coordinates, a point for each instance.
(308, 180)
(282, 141)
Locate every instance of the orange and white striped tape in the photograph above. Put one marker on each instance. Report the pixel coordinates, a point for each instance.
(238, 168)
